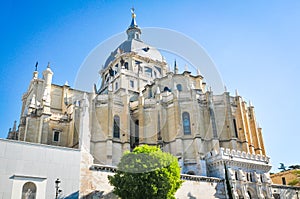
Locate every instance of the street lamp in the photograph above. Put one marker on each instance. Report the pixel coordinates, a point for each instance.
(57, 190)
(160, 142)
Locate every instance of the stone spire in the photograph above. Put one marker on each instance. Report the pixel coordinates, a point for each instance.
(13, 133)
(175, 67)
(133, 31)
(250, 104)
(47, 75)
(236, 93)
(198, 71)
(15, 126)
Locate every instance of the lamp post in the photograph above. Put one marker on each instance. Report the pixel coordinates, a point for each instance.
(160, 142)
(57, 190)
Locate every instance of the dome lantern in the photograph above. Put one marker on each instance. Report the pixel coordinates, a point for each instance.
(133, 31)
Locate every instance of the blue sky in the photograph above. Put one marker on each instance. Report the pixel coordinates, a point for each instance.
(254, 44)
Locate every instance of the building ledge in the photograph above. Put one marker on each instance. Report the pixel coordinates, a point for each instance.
(280, 186)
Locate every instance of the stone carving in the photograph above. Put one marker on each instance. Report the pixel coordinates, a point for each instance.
(46, 96)
(266, 178)
(241, 176)
(256, 177)
(231, 174)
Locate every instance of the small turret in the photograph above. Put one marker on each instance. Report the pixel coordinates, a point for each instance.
(48, 74)
(13, 133)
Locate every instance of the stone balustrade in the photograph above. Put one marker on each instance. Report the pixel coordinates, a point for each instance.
(231, 153)
(113, 169)
(200, 178)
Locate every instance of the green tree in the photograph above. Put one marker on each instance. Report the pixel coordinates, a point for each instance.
(146, 173)
(292, 167)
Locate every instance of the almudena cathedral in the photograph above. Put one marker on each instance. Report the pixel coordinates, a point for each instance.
(69, 141)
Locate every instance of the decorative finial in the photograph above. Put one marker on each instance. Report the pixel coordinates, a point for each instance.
(175, 67)
(132, 11)
(157, 90)
(48, 66)
(250, 104)
(15, 126)
(236, 93)
(198, 71)
(36, 66)
(133, 16)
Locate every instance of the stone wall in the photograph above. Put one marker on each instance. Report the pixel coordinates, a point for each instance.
(285, 192)
(289, 176)
(95, 183)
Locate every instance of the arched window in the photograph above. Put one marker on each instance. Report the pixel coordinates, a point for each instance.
(56, 136)
(251, 177)
(235, 128)
(167, 89)
(179, 87)
(276, 196)
(236, 175)
(126, 65)
(190, 173)
(148, 71)
(249, 195)
(29, 191)
(116, 126)
(186, 123)
(150, 93)
(239, 192)
(247, 175)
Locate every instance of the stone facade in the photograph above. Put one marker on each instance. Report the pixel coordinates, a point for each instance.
(290, 177)
(285, 192)
(141, 101)
(50, 112)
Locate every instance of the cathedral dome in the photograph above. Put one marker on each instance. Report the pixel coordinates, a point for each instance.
(135, 44)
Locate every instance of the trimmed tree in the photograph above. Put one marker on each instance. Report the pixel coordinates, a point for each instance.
(147, 173)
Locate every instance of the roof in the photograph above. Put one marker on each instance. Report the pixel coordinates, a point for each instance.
(137, 46)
